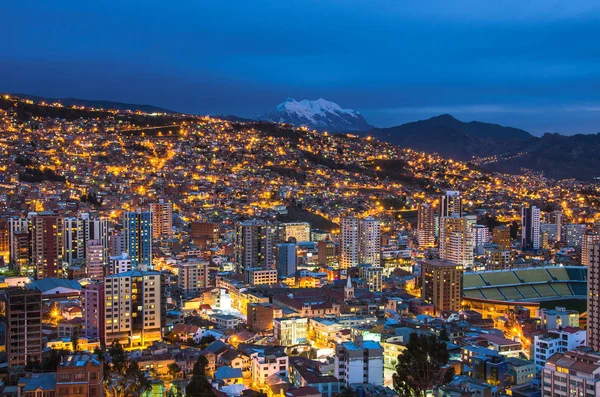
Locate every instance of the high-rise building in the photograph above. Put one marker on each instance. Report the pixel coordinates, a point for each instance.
(572, 234)
(24, 326)
(451, 204)
(116, 243)
(162, 219)
(501, 237)
(94, 259)
(94, 310)
(349, 242)
(556, 218)
(442, 284)
(456, 240)
(192, 276)
(498, 259)
(327, 252)
(46, 239)
(97, 229)
(133, 308)
(370, 241)
(296, 232)
(287, 259)
(137, 228)
(73, 245)
(530, 221)
(4, 242)
(481, 235)
(426, 226)
(255, 244)
(372, 276)
(593, 301)
(359, 362)
(18, 234)
(589, 239)
(551, 231)
(573, 373)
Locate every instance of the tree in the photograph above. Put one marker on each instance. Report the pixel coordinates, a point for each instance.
(199, 385)
(75, 340)
(174, 370)
(421, 366)
(444, 334)
(124, 377)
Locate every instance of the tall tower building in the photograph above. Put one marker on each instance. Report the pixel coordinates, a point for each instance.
(116, 243)
(426, 226)
(94, 309)
(46, 240)
(456, 240)
(350, 242)
(287, 259)
(556, 217)
(137, 229)
(589, 239)
(97, 229)
(192, 276)
(451, 204)
(255, 245)
(370, 241)
(133, 308)
(327, 252)
(593, 302)
(4, 242)
(442, 284)
(74, 240)
(162, 219)
(95, 260)
(501, 237)
(530, 221)
(24, 326)
(17, 226)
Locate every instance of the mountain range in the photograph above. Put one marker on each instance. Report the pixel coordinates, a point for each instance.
(320, 114)
(97, 104)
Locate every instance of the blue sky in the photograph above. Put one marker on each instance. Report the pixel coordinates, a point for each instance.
(532, 64)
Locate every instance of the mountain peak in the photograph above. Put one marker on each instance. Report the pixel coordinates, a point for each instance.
(319, 114)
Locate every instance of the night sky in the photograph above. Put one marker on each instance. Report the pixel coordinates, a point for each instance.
(533, 64)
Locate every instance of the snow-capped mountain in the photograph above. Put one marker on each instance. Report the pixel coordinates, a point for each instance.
(321, 115)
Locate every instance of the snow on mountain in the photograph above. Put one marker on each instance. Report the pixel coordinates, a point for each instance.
(320, 115)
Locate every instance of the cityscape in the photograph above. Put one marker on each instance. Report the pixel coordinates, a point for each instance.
(304, 252)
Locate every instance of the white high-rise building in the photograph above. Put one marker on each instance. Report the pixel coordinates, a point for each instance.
(162, 219)
(350, 243)
(133, 308)
(556, 341)
(451, 204)
(481, 235)
(73, 240)
(530, 221)
(456, 240)
(370, 241)
(426, 226)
